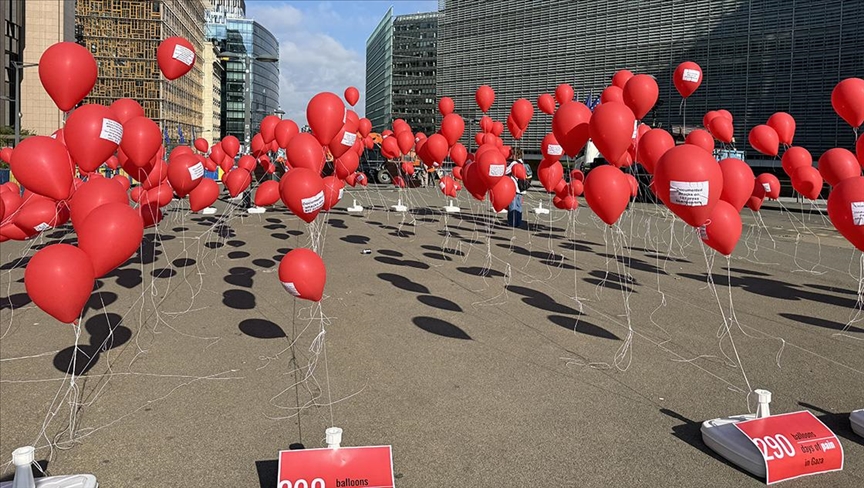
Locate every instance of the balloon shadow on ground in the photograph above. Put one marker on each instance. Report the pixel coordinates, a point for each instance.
(238, 255)
(183, 262)
(163, 273)
(634, 263)
(238, 299)
(403, 283)
(214, 244)
(16, 300)
(439, 303)
(575, 246)
(837, 422)
(273, 221)
(612, 281)
(261, 329)
(240, 276)
(274, 226)
(391, 253)
(478, 271)
(402, 262)
(106, 332)
(542, 301)
(440, 327)
(337, 223)
(833, 289)
(439, 249)
(280, 236)
(819, 322)
(774, 289)
(127, 277)
(235, 243)
(578, 325)
(355, 239)
(263, 263)
(98, 301)
(16, 263)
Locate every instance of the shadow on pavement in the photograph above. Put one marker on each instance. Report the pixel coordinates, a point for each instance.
(261, 329)
(440, 327)
(106, 332)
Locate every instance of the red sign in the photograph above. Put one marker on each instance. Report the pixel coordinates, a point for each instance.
(794, 445)
(365, 467)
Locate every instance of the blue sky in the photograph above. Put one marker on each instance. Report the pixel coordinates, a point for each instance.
(322, 45)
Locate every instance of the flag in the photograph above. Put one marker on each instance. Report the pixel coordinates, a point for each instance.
(180, 133)
(165, 136)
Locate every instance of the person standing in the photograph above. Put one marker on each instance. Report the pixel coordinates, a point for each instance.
(514, 210)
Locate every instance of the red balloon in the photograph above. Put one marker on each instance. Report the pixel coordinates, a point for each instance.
(502, 193)
(110, 235)
(347, 164)
(807, 181)
(795, 157)
(844, 205)
(93, 194)
(640, 94)
(523, 112)
(838, 164)
(701, 138)
(518, 171)
(268, 128)
(160, 195)
(364, 127)
(859, 150)
(491, 166)
(325, 114)
(452, 128)
(247, 162)
(136, 193)
(457, 172)
(123, 180)
(59, 279)
(352, 95)
(185, 174)
(550, 149)
(634, 185)
(217, 154)
(458, 154)
(738, 181)
(546, 103)
(141, 140)
(156, 174)
(436, 147)
(607, 192)
(230, 146)
(10, 202)
(784, 125)
(68, 72)
(563, 93)
(723, 228)
(6, 154)
(708, 117)
(362, 179)
(497, 128)
(754, 203)
(621, 77)
(446, 106)
(237, 180)
(41, 164)
(201, 144)
(176, 57)
(36, 215)
(284, 131)
(847, 98)
(203, 195)
(407, 168)
(764, 139)
(303, 274)
(485, 97)
(92, 135)
(473, 181)
(302, 191)
(611, 129)
(257, 146)
(550, 172)
(390, 147)
(304, 151)
(570, 124)
(687, 78)
(150, 214)
(722, 129)
(577, 175)
(689, 181)
(770, 185)
(652, 146)
(267, 193)
(405, 141)
(612, 94)
(226, 164)
(126, 108)
(333, 190)
(514, 129)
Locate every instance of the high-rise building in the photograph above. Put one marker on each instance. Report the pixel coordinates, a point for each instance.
(244, 44)
(757, 57)
(123, 36)
(401, 64)
(45, 24)
(211, 121)
(13, 54)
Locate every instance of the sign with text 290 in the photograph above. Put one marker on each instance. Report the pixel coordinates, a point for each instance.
(366, 467)
(794, 445)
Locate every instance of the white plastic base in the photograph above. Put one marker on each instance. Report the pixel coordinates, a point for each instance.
(399, 207)
(452, 209)
(857, 420)
(539, 210)
(209, 211)
(725, 439)
(73, 481)
(502, 211)
(355, 208)
(256, 210)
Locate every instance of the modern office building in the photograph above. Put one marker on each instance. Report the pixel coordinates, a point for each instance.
(211, 93)
(244, 43)
(13, 55)
(54, 22)
(123, 36)
(401, 64)
(757, 57)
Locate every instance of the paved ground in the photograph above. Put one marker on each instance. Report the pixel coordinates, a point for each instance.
(485, 356)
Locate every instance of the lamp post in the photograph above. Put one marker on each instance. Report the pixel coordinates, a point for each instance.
(247, 88)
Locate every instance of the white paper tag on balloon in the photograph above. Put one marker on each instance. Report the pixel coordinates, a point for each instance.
(196, 171)
(341, 192)
(348, 139)
(442, 185)
(313, 203)
(703, 232)
(41, 227)
(290, 288)
(184, 55)
(554, 150)
(497, 169)
(53, 136)
(858, 213)
(690, 75)
(689, 193)
(767, 187)
(111, 131)
(635, 129)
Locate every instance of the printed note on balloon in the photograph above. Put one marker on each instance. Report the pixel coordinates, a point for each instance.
(689, 193)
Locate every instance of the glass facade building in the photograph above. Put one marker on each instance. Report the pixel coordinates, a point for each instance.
(757, 56)
(379, 74)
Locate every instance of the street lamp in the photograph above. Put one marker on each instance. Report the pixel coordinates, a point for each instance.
(247, 96)
(19, 68)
